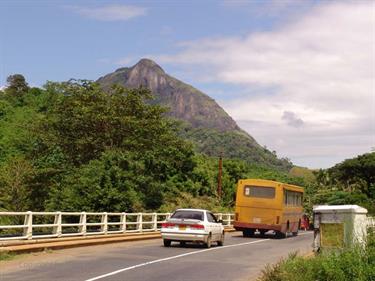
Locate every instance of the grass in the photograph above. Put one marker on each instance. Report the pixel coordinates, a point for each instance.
(355, 264)
(6, 256)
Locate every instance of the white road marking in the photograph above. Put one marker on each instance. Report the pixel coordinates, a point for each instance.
(171, 258)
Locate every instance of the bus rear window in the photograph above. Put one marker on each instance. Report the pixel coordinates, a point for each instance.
(259, 191)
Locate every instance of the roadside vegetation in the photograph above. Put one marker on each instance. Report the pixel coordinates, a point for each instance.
(356, 264)
(349, 182)
(4, 256)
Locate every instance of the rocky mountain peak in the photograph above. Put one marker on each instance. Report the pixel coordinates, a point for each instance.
(184, 101)
(146, 73)
(148, 64)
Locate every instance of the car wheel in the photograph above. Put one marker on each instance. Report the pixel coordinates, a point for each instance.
(182, 243)
(295, 233)
(208, 242)
(221, 241)
(167, 243)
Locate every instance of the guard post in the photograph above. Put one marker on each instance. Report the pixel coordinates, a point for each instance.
(339, 226)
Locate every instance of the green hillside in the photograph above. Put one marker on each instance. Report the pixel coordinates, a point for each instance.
(73, 146)
(206, 124)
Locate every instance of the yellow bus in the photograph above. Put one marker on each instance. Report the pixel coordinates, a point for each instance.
(268, 205)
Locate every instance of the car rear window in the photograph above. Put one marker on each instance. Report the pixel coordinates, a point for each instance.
(193, 215)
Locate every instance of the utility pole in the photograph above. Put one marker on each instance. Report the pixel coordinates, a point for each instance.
(219, 190)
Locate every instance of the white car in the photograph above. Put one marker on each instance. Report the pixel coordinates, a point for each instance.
(193, 225)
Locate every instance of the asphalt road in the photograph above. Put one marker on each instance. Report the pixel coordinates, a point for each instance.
(239, 259)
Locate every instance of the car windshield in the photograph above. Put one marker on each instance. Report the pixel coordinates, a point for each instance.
(193, 215)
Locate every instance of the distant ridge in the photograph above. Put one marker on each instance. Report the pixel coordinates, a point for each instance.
(212, 130)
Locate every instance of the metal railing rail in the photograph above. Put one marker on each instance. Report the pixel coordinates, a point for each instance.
(84, 223)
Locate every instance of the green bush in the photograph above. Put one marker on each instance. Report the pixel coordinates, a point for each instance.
(6, 256)
(355, 264)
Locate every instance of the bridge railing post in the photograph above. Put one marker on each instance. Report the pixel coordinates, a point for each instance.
(230, 219)
(82, 223)
(104, 221)
(154, 221)
(28, 223)
(57, 229)
(220, 217)
(139, 222)
(123, 222)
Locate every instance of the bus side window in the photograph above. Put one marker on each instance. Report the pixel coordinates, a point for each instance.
(285, 197)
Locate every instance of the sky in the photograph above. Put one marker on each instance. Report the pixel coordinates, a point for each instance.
(297, 75)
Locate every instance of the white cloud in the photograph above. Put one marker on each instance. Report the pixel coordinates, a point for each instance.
(110, 12)
(323, 67)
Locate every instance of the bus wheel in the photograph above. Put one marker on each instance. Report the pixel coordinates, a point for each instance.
(280, 235)
(248, 232)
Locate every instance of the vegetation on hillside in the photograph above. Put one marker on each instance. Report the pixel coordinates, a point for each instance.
(73, 146)
(206, 124)
(234, 145)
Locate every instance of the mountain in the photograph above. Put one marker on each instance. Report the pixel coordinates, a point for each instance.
(207, 125)
(185, 102)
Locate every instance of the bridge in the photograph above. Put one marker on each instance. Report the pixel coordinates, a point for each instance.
(239, 259)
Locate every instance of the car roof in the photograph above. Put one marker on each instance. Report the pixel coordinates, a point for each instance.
(199, 210)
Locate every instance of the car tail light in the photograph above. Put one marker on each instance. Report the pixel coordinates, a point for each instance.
(167, 225)
(196, 226)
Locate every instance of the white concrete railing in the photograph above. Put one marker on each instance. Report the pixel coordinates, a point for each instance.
(63, 224)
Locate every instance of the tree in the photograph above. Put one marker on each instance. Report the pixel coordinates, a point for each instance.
(356, 174)
(118, 145)
(15, 191)
(86, 121)
(17, 85)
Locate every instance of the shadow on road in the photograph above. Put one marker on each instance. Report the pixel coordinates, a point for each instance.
(269, 235)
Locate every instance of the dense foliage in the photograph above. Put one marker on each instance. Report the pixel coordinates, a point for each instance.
(74, 146)
(349, 182)
(234, 145)
(71, 140)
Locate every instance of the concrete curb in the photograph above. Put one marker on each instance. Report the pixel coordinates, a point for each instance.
(38, 245)
(71, 238)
